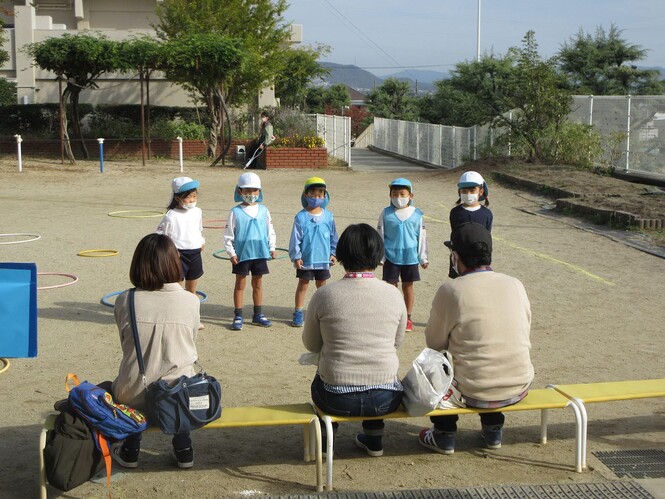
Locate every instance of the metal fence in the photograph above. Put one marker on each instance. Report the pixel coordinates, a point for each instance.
(336, 133)
(438, 145)
(632, 127)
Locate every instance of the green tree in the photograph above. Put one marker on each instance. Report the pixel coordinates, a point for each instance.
(315, 99)
(540, 104)
(4, 55)
(336, 98)
(258, 24)
(144, 55)
(7, 92)
(205, 63)
(602, 64)
(79, 60)
(393, 100)
(299, 67)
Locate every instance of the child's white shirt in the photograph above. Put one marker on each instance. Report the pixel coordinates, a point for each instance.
(402, 215)
(229, 233)
(185, 227)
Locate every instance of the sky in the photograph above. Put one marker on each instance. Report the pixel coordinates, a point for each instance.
(384, 36)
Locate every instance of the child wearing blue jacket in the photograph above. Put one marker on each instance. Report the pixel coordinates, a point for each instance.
(402, 228)
(313, 242)
(249, 240)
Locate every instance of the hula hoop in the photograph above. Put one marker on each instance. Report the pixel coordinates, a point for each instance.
(104, 300)
(124, 214)
(218, 254)
(6, 363)
(33, 236)
(98, 253)
(214, 226)
(71, 276)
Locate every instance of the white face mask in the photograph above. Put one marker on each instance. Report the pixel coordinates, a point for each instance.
(400, 202)
(250, 198)
(189, 206)
(469, 199)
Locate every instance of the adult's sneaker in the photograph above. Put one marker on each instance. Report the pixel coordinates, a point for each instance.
(298, 318)
(372, 445)
(442, 442)
(492, 436)
(184, 457)
(261, 320)
(127, 458)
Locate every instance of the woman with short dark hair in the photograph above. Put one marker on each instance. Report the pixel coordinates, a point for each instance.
(167, 318)
(356, 325)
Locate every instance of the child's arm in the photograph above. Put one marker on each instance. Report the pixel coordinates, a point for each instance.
(272, 237)
(490, 220)
(333, 241)
(165, 227)
(229, 236)
(422, 245)
(294, 244)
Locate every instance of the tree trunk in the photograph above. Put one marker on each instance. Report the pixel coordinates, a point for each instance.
(225, 115)
(76, 117)
(215, 115)
(65, 131)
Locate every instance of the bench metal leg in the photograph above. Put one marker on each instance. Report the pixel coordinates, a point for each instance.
(329, 452)
(42, 466)
(315, 453)
(544, 415)
(581, 433)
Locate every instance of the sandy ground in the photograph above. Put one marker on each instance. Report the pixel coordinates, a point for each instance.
(597, 316)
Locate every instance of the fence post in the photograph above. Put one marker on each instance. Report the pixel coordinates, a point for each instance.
(18, 152)
(440, 145)
(590, 122)
(417, 141)
(454, 147)
(101, 155)
(180, 152)
(510, 118)
(628, 135)
(475, 142)
(468, 141)
(334, 120)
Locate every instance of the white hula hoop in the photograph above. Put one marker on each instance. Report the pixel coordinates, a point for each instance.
(71, 276)
(33, 237)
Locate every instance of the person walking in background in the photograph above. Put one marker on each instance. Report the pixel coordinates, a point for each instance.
(183, 223)
(313, 242)
(266, 137)
(249, 240)
(167, 318)
(483, 319)
(402, 227)
(471, 189)
(356, 325)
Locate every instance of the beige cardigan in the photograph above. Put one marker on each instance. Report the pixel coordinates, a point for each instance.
(168, 321)
(484, 320)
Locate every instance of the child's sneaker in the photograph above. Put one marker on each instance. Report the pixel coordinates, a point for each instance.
(237, 323)
(409, 326)
(298, 318)
(184, 457)
(372, 445)
(492, 436)
(442, 442)
(261, 320)
(127, 458)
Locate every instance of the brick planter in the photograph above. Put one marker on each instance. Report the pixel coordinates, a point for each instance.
(293, 157)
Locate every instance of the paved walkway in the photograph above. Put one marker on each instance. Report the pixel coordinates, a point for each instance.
(364, 160)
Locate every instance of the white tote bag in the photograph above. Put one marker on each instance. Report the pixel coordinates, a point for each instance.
(428, 384)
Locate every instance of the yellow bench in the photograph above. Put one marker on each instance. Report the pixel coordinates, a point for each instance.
(589, 393)
(238, 417)
(542, 400)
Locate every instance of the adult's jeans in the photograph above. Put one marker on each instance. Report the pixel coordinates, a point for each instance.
(366, 403)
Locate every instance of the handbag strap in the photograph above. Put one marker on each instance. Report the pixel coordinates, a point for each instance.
(135, 332)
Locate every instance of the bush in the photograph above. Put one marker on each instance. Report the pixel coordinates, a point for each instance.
(170, 129)
(7, 92)
(294, 129)
(101, 124)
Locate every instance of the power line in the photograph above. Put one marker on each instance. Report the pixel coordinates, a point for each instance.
(360, 33)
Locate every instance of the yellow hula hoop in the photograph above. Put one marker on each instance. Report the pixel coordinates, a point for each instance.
(6, 363)
(124, 214)
(98, 253)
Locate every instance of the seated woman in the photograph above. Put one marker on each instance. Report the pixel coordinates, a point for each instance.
(167, 317)
(356, 325)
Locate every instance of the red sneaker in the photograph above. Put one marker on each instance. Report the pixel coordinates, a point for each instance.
(409, 325)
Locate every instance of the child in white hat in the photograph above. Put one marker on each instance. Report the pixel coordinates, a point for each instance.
(249, 240)
(183, 223)
(472, 189)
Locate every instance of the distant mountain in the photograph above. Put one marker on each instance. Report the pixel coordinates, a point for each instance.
(351, 75)
(422, 76)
